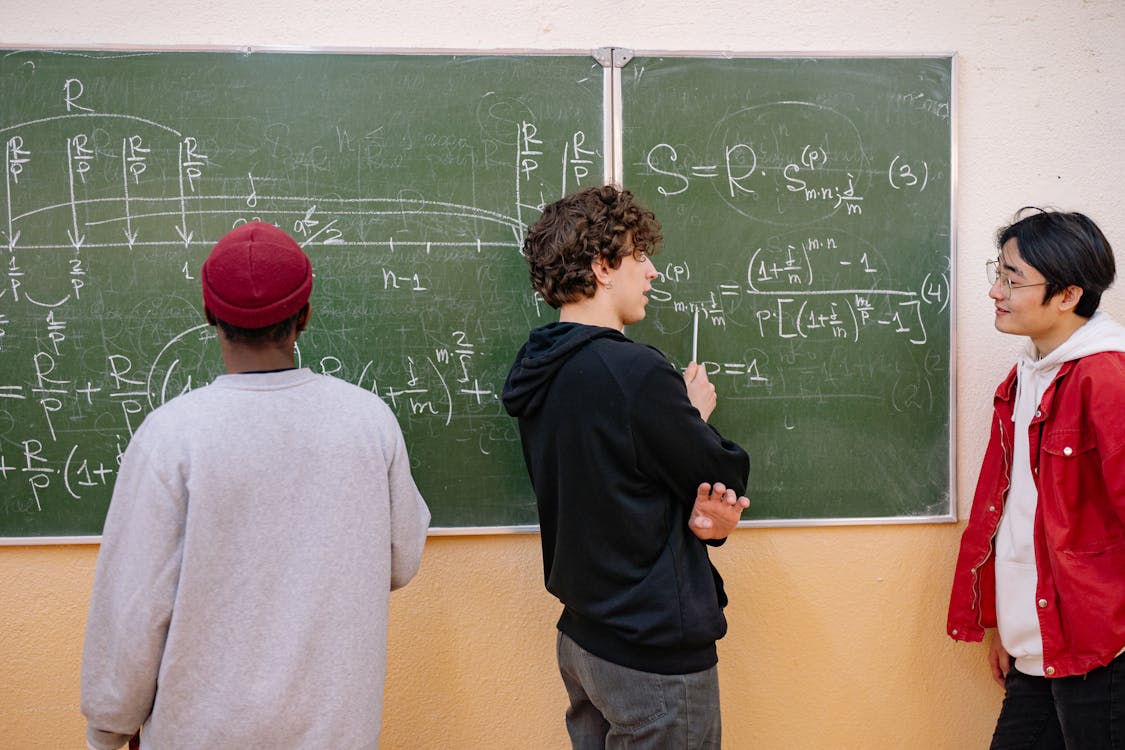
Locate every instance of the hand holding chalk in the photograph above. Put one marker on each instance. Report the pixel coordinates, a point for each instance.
(701, 391)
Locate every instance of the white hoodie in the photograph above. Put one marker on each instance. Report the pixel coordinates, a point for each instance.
(1016, 614)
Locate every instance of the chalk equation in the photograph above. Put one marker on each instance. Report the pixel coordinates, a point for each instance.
(828, 287)
(760, 168)
(806, 260)
(413, 215)
(807, 243)
(779, 300)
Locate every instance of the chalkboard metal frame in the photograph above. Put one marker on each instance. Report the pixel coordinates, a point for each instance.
(600, 56)
(613, 59)
(622, 57)
(618, 58)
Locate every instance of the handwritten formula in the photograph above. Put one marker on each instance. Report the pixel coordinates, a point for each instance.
(408, 180)
(806, 211)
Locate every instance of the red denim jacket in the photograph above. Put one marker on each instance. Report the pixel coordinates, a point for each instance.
(1078, 462)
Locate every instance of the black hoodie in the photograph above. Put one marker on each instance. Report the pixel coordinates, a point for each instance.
(615, 451)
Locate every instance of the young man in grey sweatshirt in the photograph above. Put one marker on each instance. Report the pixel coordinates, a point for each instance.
(256, 530)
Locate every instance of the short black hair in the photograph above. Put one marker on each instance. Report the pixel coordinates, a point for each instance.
(271, 334)
(1068, 248)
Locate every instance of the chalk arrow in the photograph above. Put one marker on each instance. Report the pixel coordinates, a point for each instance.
(182, 230)
(76, 239)
(130, 234)
(185, 235)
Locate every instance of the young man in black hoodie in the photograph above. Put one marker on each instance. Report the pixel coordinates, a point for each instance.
(622, 459)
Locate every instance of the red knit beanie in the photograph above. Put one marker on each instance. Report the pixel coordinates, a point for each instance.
(255, 276)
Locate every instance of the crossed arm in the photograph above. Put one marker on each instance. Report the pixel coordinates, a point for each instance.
(716, 511)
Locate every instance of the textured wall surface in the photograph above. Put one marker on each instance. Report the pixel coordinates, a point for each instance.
(837, 633)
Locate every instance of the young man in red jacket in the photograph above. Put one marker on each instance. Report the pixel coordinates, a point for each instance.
(1042, 560)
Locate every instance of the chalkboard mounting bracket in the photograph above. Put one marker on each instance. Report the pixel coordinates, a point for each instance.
(613, 57)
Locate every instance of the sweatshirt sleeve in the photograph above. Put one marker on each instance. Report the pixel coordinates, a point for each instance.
(131, 605)
(410, 518)
(674, 443)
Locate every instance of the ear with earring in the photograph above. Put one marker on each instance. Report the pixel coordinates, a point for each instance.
(602, 271)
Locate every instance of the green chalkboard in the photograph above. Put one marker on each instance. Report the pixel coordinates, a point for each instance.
(807, 213)
(409, 180)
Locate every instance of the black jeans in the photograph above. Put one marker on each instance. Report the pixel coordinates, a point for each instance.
(1086, 712)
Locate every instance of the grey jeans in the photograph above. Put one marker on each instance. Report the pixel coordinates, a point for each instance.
(615, 707)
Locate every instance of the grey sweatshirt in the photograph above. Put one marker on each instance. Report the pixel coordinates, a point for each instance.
(257, 528)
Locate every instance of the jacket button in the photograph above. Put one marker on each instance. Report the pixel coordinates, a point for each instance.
(1042, 604)
(1050, 671)
(1038, 413)
(992, 509)
(953, 632)
(1067, 450)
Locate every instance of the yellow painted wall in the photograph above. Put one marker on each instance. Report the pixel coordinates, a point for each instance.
(837, 633)
(836, 641)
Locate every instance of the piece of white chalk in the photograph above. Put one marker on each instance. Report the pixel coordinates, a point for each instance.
(695, 338)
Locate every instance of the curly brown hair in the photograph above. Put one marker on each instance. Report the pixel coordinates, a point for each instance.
(575, 232)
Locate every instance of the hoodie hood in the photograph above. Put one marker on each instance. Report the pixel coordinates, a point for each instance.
(1100, 333)
(547, 349)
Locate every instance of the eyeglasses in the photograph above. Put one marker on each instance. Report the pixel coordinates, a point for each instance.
(992, 270)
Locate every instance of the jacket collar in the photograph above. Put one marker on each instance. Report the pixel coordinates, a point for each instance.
(1006, 391)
